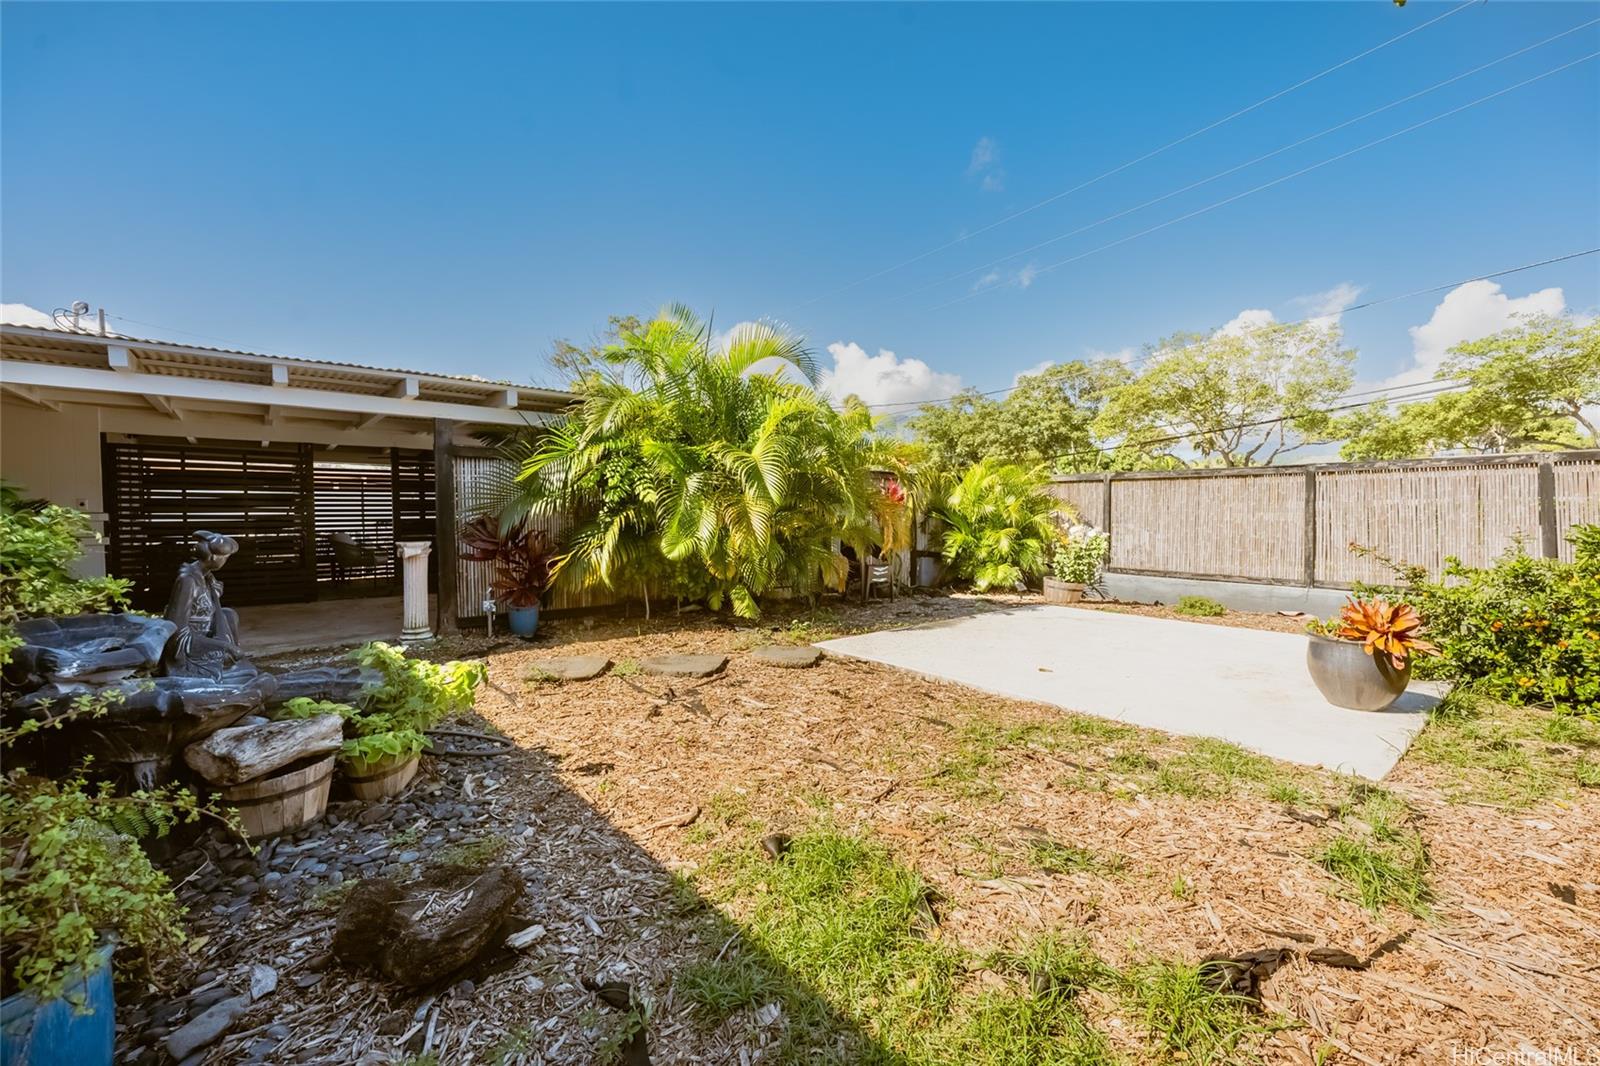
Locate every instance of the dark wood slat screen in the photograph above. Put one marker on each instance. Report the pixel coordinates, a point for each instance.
(414, 502)
(159, 492)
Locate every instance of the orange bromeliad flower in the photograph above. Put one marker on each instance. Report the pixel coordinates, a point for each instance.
(1382, 627)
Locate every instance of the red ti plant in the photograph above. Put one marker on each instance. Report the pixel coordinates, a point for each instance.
(1384, 628)
(523, 559)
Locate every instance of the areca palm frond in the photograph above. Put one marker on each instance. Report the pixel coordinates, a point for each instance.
(696, 466)
(998, 524)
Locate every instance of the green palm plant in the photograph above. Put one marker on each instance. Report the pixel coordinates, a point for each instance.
(999, 524)
(695, 470)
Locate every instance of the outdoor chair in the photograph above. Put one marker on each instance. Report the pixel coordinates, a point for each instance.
(350, 554)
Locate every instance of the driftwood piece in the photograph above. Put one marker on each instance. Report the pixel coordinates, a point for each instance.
(420, 933)
(244, 753)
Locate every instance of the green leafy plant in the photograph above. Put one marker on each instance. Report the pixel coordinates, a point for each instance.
(523, 558)
(1080, 559)
(698, 473)
(39, 543)
(1522, 630)
(1199, 607)
(72, 874)
(999, 525)
(413, 696)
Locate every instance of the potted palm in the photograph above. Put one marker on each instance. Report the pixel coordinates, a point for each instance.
(522, 559)
(1076, 562)
(1362, 659)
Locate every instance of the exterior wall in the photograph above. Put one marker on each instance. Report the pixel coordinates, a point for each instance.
(55, 455)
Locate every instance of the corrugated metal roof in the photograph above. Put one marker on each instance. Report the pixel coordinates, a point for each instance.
(196, 353)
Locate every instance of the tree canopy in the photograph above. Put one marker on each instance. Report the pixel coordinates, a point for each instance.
(1046, 419)
(1234, 397)
(1533, 386)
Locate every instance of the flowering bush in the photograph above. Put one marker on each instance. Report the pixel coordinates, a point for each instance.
(1079, 556)
(1523, 630)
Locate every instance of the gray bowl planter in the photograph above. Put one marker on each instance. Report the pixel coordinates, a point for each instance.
(1348, 677)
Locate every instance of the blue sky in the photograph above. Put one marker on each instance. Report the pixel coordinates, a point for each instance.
(450, 187)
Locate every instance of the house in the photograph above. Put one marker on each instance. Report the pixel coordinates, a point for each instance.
(316, 467)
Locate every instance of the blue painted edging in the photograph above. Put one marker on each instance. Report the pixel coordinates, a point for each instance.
(61, 1030)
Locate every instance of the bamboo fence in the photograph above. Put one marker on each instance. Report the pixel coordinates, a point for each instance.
(1299, 525)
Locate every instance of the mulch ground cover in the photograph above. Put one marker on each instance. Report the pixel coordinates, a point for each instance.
(624, 794)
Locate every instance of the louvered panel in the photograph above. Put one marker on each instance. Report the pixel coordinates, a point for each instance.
(159, 492)
(355, 515)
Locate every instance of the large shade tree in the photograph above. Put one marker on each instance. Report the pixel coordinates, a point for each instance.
(1046, 419)
(1535, 385)
(1235, 397)
(705, 469)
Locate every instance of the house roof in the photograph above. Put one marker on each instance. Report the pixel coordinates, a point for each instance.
(47, 366)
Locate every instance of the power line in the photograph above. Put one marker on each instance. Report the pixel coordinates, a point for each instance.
(1353, 307)
(1242, 166)
(1140, 159)
(1279, 180)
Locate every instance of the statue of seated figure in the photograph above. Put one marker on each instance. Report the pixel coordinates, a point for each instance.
(206, 640)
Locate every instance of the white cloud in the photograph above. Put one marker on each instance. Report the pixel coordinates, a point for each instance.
(991, 278)
(1037, 368)
(985, 161)
(1247, 320)
(883, 378)
(23, 315)
(1467, 313)
(1026, 275)
(1326, 307)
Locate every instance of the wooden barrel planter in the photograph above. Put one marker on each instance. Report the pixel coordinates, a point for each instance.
(379, 779)
(289, 799)
(1062, 592)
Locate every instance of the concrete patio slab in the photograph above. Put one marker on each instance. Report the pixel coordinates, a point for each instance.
(283, 627)
(1246, 686)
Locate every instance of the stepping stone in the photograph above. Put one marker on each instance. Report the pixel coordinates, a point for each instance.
(684, 665)
(797, 658)
(572, 668)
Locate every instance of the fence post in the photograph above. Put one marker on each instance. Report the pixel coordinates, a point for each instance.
(1310, 536)
(1105, 503)
(1549, 535)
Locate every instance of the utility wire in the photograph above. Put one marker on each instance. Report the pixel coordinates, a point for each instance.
(1353, 307)
(1279, 180)
(1140, 159)
(1242, 166)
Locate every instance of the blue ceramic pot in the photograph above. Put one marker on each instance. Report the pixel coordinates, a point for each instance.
(524, 621)
(58, 1030)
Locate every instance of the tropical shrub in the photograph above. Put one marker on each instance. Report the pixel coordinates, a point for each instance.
(1523, 630)
(999, 525)
(1199, 607)
(1392, 630)
(73, 874)
(39, 542)
(523, 559)
(413, 696)
(1080, 557)
(697, 472)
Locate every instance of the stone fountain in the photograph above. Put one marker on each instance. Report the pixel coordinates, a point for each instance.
(166, 682)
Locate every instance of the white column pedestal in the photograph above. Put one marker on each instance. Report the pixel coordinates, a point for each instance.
(414, 576)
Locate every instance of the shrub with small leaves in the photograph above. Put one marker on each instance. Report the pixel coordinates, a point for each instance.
(1523, 631)
(39, 542)
(1199, 607)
